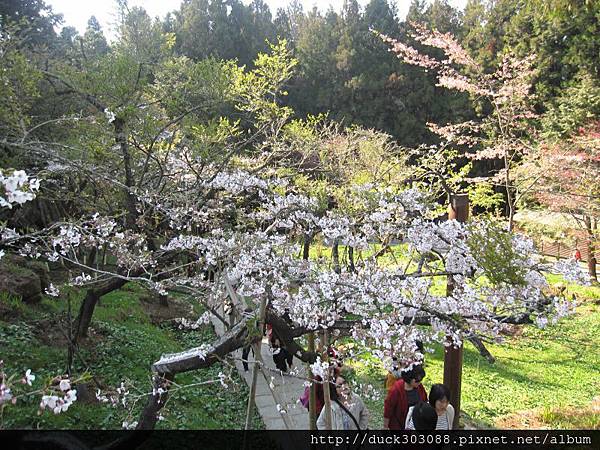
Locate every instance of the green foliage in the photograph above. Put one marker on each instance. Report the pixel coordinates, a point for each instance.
(34, 17)
(317, 189)
(483, 195)
(142, 38)
(258, 90)
(561, 33)
(93, 40)
(19, 80)
(12, 303)
(576, 106)
(491, 246)
(208, 139)
(203, 86)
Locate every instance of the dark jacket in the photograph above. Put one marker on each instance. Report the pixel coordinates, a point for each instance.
(282, 359)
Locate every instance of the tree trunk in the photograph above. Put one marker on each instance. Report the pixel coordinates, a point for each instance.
(510, 199)
(335, 256)
(86, 311)
(306, 247)
(351, 259)
(150, 413)
(312, 399)
(91, 257)
(591, 248)
(453, 356)
(171, 365)
(163, 300)
(121, 140)
(326, 383)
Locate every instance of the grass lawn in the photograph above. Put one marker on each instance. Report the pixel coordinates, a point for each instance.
(128, 334)
(546, 378)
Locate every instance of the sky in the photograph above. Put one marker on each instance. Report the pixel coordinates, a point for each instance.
(77, 12)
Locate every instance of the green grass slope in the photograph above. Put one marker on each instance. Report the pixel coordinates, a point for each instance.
(129, 332)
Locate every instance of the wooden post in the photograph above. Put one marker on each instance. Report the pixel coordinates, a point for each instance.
(104, 257)
(591, 227)
(306, 247)
(312, 399)
(251, 405)
(326, 392)
(453, 356)
(351, 259)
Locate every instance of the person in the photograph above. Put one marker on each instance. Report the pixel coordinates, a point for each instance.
(396, 367)
(439, 397)
(406, 392)
(393, 374)
(423, 417)
(348, 412)
(281, 356)
(335, 369)
(245, 353)
(577, 255)
(269, 333)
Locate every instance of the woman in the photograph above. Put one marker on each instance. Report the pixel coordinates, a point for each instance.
(406, 392)
(334, 371)
(439, 397)
(348, 411)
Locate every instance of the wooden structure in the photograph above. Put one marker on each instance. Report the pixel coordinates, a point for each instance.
(453, 356)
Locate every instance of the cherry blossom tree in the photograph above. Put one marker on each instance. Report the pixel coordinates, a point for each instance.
(569, 181)
(255, 253)
(505, 132)
(205, 209)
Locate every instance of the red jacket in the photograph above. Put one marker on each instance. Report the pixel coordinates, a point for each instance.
(396, 404)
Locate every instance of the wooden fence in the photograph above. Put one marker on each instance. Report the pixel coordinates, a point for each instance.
(558, 249)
